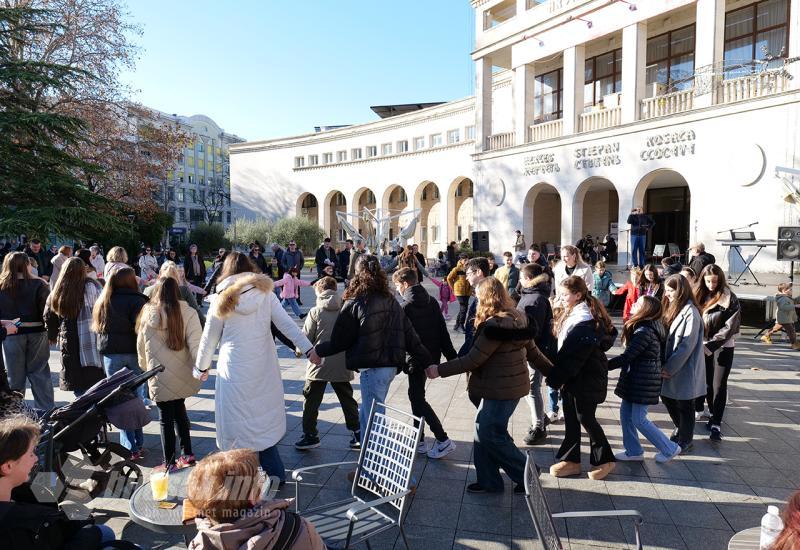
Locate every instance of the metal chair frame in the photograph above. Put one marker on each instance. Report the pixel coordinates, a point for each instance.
(543, 518)
(383, 470)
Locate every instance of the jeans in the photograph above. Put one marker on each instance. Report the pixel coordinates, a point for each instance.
(26, 357)
(493, 447)
(681, 411)
(717, 373)
(374, 384)
(133, 440)
(463, 305)
(637, 249)
(553, 396)
(633, 419)
(314, 391)
(534, 398)
(270, 461)
(420, 406)
(173, 414)
(293, 304)
(581, 413)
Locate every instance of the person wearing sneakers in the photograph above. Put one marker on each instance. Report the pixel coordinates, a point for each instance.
(722, 317)
(585, 332)
(426, 318)
(785, 316)
(535, 304)
(169, 334)
(317, 328)
(683, 372)
(498, 366)
(639, 383)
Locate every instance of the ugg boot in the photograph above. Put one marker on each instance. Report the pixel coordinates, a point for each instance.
(564, 469)
(600, 472)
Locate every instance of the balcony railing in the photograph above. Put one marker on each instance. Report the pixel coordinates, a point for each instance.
(667, 104)
(499, 141)
(600, 119)
(751, 86)
(545, 130)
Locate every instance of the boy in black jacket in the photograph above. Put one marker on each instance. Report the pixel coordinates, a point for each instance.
(427, 319)
(534, 302)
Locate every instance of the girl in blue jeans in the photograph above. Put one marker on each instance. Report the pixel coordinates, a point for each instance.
(114, 321)
(639, 384)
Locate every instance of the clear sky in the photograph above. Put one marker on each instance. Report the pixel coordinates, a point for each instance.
(273, 68)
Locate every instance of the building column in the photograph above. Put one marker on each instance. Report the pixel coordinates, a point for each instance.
(634, 57)
(623, 229)
(524, 83)
(708, 50)
(794, 42)
(483, 102)
(574, 68)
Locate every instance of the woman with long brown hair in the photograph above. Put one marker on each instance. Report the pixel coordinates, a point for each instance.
(170, 270)
(68, 317)
(114, 320)
(169, 334)
(249, 403)
(721, 318)
(639, 383)
(684, 367)
(498, 363)
(25, 353)
(375, 333)
(651, 284)
(584, 332)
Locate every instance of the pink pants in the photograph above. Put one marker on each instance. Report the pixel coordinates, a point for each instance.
(445, 307)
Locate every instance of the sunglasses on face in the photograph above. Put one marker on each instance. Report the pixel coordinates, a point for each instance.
(147, 250)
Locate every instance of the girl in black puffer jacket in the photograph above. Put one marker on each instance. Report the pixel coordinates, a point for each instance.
(639, 383)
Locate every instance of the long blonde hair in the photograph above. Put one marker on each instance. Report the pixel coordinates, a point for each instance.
(494, 301)
(166, 301)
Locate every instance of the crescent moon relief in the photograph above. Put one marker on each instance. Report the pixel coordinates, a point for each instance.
(502, 192)
(763, 167)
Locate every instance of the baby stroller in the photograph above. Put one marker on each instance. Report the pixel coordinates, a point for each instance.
(83, 426)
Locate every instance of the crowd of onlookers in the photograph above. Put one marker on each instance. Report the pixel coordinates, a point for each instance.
(528, 323)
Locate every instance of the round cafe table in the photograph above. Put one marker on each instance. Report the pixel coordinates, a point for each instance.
(748, 539)
(144, 511)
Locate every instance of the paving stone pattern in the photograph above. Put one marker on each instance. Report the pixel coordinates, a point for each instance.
(696, 501)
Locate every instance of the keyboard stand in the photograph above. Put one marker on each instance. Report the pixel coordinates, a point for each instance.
(747, 264)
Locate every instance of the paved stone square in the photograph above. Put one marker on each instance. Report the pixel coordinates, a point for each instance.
(696, 501)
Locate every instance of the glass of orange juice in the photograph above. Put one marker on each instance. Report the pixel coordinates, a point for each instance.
(159, 483)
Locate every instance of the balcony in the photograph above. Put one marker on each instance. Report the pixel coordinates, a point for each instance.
(667, 104)
(499, 141)
(753, 86)
(600, 119)
(545, 130)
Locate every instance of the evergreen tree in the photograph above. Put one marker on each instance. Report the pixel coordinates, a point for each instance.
(41, 193)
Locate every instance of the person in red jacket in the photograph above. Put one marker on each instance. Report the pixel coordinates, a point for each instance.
(631, 291)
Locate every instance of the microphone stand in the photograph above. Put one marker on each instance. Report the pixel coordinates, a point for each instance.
(737, 228)
(628, 242)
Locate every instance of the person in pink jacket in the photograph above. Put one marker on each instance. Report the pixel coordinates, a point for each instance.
(445, 296)
(290, 292)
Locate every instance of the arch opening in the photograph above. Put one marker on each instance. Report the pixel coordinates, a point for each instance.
(665, 195)
(541, 217)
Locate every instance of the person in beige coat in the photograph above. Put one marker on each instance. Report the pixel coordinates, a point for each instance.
(318, 327)
(169, 334)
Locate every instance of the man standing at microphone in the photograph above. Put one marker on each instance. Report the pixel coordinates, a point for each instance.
(640, 223)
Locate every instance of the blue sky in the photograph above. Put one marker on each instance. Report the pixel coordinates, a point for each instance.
(272, 68)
